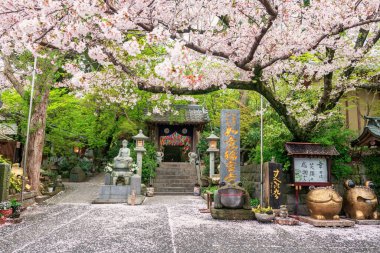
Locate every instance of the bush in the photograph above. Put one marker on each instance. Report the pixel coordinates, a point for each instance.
(372, 164)
(15, 183)
(211, 188)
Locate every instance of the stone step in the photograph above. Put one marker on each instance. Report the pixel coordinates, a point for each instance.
(176, 169)
(174, 189)
(175, 177)
(175, 164)
(163, 185)
(174, 193)
(175, 173)
(175, 181)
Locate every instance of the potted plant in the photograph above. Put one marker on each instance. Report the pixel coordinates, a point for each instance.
(2, 219)
(263, 214)
(150, 191)
(50, 187)
(5, 208)
(16, 207)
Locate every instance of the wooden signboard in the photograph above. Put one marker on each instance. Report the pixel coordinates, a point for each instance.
(311, 170)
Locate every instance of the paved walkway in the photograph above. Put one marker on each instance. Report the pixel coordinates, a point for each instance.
(68, 223)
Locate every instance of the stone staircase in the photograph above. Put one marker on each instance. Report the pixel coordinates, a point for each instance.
(175, 179)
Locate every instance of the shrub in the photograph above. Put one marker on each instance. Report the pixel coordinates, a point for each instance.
(372, 164)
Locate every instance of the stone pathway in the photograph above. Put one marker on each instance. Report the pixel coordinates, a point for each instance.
(69, 223)
(83, 193)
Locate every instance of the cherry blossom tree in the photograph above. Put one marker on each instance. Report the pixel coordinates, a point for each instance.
(187, 47)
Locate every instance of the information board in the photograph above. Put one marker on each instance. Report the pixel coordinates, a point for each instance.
(310, 170)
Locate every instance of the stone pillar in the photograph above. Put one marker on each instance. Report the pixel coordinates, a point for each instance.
(5, 170)
(139, 162)
(212, 164)
(136, 184)
(230, 146)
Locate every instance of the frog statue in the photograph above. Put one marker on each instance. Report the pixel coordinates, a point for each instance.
(360, 202)
(324, 203)
(232, 196)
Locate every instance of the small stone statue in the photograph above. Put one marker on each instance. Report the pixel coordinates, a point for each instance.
(123, 159)
(159, 156)
(360, 202)
(192, 157)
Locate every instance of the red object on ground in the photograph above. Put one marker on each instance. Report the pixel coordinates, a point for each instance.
(7, 212)
(2, 220)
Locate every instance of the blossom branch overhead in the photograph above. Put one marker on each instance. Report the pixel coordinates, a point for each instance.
(191, 46)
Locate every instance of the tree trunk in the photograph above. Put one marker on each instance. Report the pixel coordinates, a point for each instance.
(36, 139)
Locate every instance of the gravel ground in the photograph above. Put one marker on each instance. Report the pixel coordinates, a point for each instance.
(68, 223)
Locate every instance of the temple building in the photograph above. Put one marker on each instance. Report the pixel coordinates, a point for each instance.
(370, 136)
(177, 134)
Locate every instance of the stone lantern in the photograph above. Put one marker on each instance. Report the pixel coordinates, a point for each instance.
(212, 149)
(140, 138)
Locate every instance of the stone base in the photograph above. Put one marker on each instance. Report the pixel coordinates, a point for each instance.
(232, 214)
(109, 201)
(286, 221)
(367, 222)
(327, 223)
(138, 201)
(113, 194)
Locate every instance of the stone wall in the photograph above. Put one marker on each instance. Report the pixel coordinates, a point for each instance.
(250, 177)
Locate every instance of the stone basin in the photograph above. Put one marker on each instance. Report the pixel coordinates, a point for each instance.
(231, 198)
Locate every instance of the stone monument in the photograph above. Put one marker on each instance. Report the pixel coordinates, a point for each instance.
(121, 180)
(231, 200)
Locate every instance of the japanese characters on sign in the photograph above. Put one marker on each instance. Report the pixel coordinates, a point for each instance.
(310, 170)
(276, 184)
(230, 146)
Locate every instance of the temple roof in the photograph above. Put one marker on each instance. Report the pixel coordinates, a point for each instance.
(309, 149)
(187, 114)
(370, 135)
(3, 137)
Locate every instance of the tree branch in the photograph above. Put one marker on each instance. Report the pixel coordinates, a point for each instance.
(335, 31)
(9, 74)
(327, 85)
(268, 7)
(254, 85)
(255, 45)
(113, 59)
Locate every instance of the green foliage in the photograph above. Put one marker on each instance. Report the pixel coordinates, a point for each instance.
(15, 183)
(254, 202)
(210, 188)
(275, 136)
(332, 132)
(372, 164)
(149, 162)
(14, 203)
(4, 160)
(259, 209)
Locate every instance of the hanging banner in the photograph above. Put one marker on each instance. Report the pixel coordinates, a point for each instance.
(176, 139)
